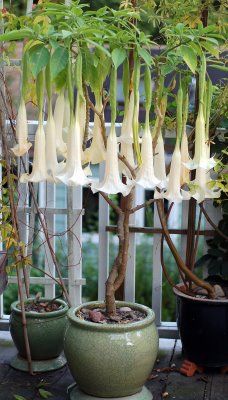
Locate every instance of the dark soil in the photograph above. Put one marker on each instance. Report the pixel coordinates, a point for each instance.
(41, 306)
(124, 315)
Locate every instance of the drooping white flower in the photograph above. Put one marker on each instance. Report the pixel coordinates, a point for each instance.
(201, 157)
(58, 118)
(22, 145)
(53, 167)
(185, 159)
(39, 167)
(174, 193)
(126, 138)
(112, 183)
(201, 189)
(96, 153)
(159, 162)
(145, 176)
(73, 173)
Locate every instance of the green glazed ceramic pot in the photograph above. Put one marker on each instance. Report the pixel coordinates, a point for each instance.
(111, 360)
(45, 331)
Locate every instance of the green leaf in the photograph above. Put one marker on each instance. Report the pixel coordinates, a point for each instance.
(145, 55)
(189, 56)
(16, 35)
(59, 60)
(45, 394)
(211, 48)
(118, 56)
(66, 34)
(18, 397)
(38, 58)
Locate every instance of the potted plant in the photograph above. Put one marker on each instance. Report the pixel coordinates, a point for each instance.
(37, 325)
(111, 346)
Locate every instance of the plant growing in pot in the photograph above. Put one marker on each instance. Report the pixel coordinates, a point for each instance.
(37, 325)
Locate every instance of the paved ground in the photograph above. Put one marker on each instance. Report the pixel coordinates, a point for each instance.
(163, 384)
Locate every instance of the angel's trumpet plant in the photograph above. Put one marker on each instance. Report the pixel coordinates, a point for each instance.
(96, 153)
(112, 183)
(201, 157)
(136, 82)
(201, 186)
(53, 167)
(159, 152)
(174, 193)
(73, 173)
(22, 145)
(185, 158)
(126, 137)
(39, 168)
(61, 146)
(145, 176)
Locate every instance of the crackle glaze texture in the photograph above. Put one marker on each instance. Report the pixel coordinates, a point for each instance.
(45, 331)
(111, 360)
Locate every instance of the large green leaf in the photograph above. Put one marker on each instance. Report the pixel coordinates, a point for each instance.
(145, 55)
(118, 56)
(189, 56)
(211, 48)
(59, 61)
(38, 58)
(16, 35)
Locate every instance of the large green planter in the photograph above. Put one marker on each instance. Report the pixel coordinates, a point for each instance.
(111, 360)
(45, 334)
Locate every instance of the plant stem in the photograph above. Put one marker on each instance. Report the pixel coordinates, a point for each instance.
(188, 273)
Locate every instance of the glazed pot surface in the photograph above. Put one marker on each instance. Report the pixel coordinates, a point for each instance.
(45, 331)
(111, 360)
(203, 327)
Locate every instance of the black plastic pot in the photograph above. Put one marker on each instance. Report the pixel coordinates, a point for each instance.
(203, 327)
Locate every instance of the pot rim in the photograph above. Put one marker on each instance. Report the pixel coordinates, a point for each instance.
(149, 319)
(34, 314)
(197, 299)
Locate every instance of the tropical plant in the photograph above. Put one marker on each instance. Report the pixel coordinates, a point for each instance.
(70, 47)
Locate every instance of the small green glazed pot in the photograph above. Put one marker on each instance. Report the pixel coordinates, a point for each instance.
(45, 331)
(111, 360)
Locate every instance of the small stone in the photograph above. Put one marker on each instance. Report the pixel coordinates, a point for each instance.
(200, 291)
(115, 318)
(96, 316)
(125, 309)
(85, 310)
(219, 291)
(165, 395)
(173, 365)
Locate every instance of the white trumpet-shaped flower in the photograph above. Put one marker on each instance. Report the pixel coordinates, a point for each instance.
(185, 159)
(53, 167)
(174, 193)
(126, 138)
(96, 153)
(159, 162)
(39, 168)
(22, 145)
(145, 176)
(58, 118)
(112, 183)
(201, 189)
(73, 173)
(201, 157)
